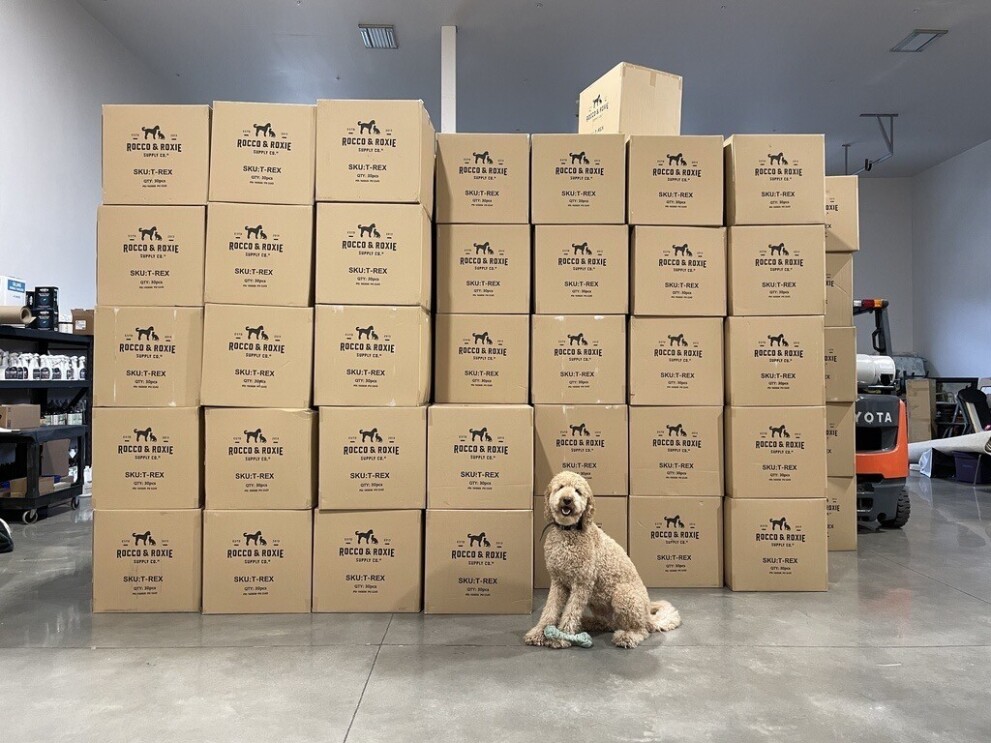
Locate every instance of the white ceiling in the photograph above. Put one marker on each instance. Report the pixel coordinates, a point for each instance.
(749, 65)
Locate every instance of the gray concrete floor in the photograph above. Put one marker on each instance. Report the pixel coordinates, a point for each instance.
(899, 649)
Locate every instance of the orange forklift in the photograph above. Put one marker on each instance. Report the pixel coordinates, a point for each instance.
(882, 429)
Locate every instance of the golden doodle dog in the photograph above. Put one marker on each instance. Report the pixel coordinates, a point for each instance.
(590, 570)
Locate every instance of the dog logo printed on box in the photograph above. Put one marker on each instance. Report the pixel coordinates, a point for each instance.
(371, 434)
(780, 432)
(368, 127)
(581, 248)
(778, 340)
(482, 158)
(479, 546)
(483, 248)
(678, 340)
(155, 132)
(479, 540)
(257, 232)
(368, 230)
(368, 536)
(257, 334)
(778, 159)
(367, 333)
(778, 249)
(678, 159)
(144, 434)
(255, 436)
(578, 339)
(480, 434)
(674, 522)
(255, 538)
(780, 524)
(151, 233)
(600, 104)
(144, 538)
(147, 334)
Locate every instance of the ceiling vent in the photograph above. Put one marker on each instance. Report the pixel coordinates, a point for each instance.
(918, 40)
(378, 35)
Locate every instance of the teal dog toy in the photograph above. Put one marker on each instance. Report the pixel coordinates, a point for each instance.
(582, 639)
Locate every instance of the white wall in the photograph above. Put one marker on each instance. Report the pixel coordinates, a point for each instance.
(883, 268)
(59, 66)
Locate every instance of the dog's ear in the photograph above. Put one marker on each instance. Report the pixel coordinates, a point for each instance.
(551, 487)
(588, 515)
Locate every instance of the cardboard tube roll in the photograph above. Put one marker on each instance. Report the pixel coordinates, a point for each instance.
(15, 315)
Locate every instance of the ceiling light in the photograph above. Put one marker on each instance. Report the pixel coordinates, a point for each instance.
(378, 35)
(918, 40)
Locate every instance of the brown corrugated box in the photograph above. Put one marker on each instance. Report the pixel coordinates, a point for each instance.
(479, 456)
(592, 440)
(262, 153)
(920, 404)
(841, 513)
(677, 542)
(676, 361)
(775, 179)
(840, 357)
(478, 562)
(82, 322)
(147, 561)
(258, 458)
(776, 544)
(155, 154)
(630, 99)
(678, 271)
(483, 269)
(842, 213)
(481, 358)
(675, 180)
(367, 561)
(841, 439)
(373, 458)
(147, 357)
(20, 416)
(373, 254)
(611, 515)
(483, 178)
(259, 254)
(371, 356)
(777, 270)
(375, 151)
(581, 269)
(578, 179)
(147, 458)
(839, 290)
(257, 357)
(150, 255)
(578, 359)
(257, 562)
(776, 452)
(774, 361)
(676, 451)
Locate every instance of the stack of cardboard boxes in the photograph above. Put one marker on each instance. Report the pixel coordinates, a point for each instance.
(375, 170)
(147, 430)
(775, 518)
(480, 440)
(920, 401)
(840, 347)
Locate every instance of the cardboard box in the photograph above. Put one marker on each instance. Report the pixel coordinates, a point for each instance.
(676, 361)
(259, 254)
(257, 357)
(592, 440)
(12, 292)
(147, 561)
(776, 452)
(375, 151)
(842, 213)
(372, 356)
(147, 357)
(262, 153)
(841, 447)
(147, 458)
(373, 458)
(677, 542)
(840, 357)
(774, 361)
(373, 254)
(479, 456)
(260, 459)
(367, 561)
(257, 562)
(578, 359)
(55, 458)
(478, 562)
(578, 179)
(156, 154)
(775, 179)
(675, 180)
(82, 322)
(482, 358)
(150, 255)
(20, 416)
(611, 515)
(483, 269)
(18, 487)
(774, 544)
(581, 269)
(676, 451)
(630, 100)
(841, 513)
(839, 290)
(483, 178)
(920, 404)
(777, 270)
(678, 271)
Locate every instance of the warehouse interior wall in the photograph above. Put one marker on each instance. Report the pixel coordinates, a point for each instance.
(951, 255)
(61, 66)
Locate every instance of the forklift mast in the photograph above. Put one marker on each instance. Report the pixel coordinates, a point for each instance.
(881, 335)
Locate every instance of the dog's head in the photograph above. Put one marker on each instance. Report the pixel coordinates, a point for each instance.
(568, 500)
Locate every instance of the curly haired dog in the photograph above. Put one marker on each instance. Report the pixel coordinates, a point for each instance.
(589, 569)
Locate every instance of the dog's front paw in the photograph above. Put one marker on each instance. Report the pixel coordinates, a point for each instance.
(557, 644)
(535, 637)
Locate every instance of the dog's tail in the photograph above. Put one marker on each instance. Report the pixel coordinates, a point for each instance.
(663, 616)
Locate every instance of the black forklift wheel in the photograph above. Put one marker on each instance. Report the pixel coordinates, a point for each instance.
(74, 503)
(30, 517)
(902, 511)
